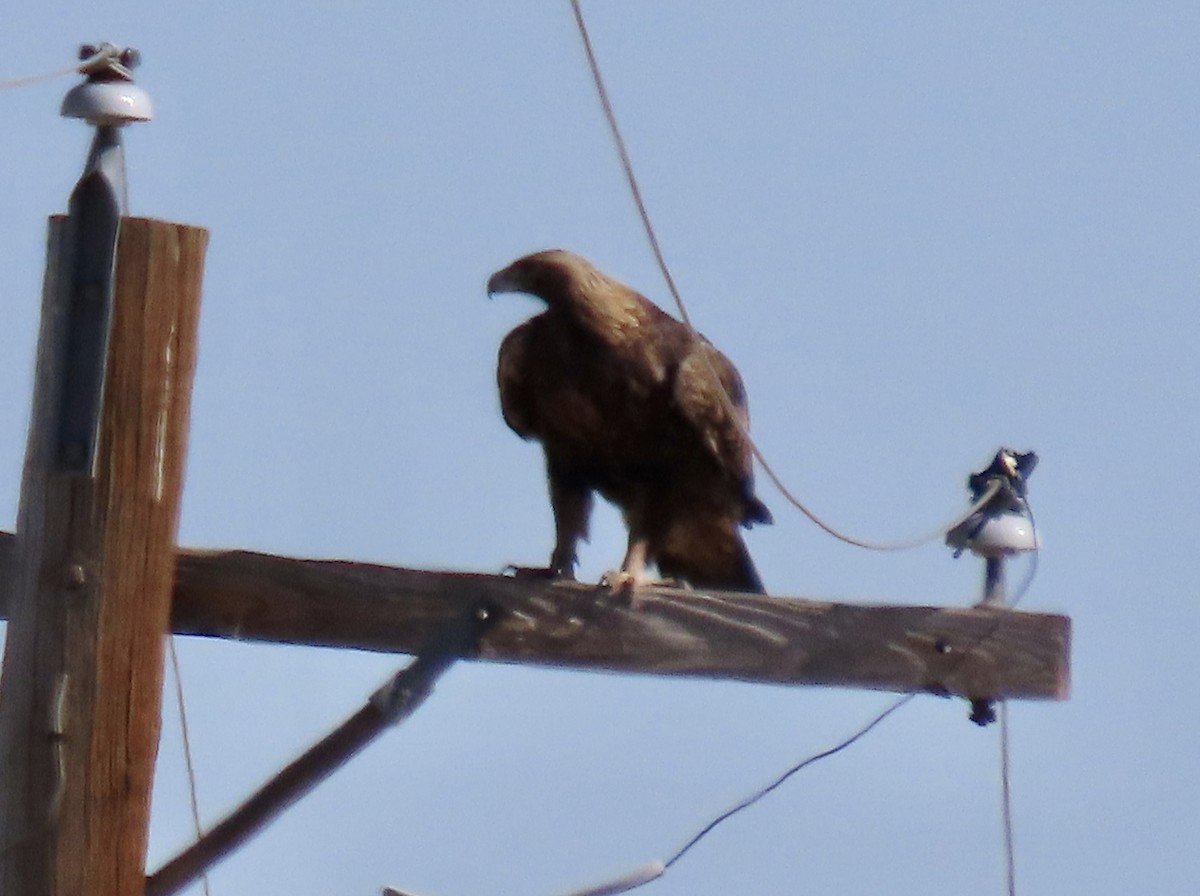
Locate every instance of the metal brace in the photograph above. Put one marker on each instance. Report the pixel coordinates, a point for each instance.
(108, 99)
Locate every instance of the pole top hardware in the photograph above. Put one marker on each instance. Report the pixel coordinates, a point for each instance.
(108, 97)
(999, 528)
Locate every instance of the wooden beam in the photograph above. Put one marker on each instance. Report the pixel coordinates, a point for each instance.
(973, 652)
(968, 651)
(88, 579)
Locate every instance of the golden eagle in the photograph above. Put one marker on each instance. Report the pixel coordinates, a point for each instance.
(623, 399)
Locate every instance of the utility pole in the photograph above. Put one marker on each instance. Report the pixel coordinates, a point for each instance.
(89, 597)
(92, 581)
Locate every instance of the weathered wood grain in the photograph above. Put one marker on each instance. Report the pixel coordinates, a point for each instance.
(969, 651)
(977, 652)
(88, 582)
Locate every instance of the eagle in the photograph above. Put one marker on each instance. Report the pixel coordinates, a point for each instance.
(627, 402)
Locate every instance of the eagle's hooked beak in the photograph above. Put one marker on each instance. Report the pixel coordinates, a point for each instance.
(502, 281)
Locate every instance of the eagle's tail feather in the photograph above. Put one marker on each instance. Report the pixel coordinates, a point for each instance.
(756, 512)
(710, 557)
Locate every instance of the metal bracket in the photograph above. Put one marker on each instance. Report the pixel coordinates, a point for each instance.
(107, 99)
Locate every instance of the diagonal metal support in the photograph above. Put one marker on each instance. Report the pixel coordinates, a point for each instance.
(388, 706)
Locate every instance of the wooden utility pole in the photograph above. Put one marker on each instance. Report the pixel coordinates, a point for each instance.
(90, 595)
(92, 580)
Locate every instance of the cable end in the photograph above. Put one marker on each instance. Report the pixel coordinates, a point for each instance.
(635, 878)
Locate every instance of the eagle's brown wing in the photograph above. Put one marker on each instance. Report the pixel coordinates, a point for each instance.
(534, 410)
(707, 552)
(720, 425)
(517, 402)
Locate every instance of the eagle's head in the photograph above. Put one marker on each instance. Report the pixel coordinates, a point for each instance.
(575, 289)
(552, 275)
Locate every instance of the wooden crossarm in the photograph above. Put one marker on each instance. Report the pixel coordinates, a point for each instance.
(967, 651)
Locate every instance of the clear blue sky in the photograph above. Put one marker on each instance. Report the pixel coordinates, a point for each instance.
(920, 230)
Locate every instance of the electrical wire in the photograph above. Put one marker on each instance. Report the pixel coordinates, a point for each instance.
(1010, 863)
(728, 407)
(1006, 800)
(654, 870)
(1034, 556)
(187, 750)
(758, 795)
(768, 469)
(57, 73)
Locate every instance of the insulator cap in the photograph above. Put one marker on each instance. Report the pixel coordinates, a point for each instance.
(107, 103)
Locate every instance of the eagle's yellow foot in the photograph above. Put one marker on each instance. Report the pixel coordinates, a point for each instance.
(618, 581)
(620, 587)
(633, 568)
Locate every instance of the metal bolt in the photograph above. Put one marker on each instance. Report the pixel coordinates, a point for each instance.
(76, 575)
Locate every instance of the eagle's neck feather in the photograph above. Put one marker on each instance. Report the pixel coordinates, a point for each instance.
(610, 310)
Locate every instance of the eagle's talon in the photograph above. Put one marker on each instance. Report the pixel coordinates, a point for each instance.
(619, 581)
(620, 589)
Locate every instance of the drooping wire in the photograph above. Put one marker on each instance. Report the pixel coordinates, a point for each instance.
(626, 162)
(187, 750)
(656, 248)
(758, 795)
(8, 83)
(1010, 862)
(1006, 800)
(1034, 555)
(653, 870)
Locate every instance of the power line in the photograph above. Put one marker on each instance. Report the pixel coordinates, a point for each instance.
(654, 870)
(1006, 803)
(101, 53)
(187, 751)
(656, 248)
(758, 795)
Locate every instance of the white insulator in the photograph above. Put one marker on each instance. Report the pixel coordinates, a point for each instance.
(107, 103)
